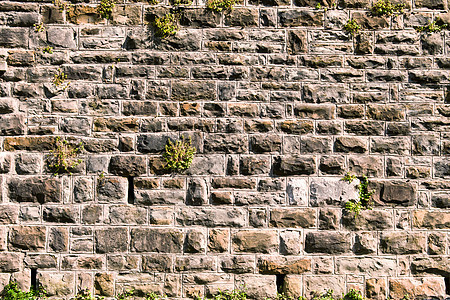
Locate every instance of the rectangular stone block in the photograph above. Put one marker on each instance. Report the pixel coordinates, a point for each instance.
(157, 240)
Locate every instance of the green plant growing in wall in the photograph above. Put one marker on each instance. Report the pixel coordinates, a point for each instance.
(105, 8)
(59, 80)
(181, 2)
(328, 295)
(364, 195)
(220, 5)
(354, 295)
(352, 27)
(155, 296)
(166, 25)
(179, 155)
(64, 156)
(12, 292)
(236, 294)
(48, 50)
(86, 295)
(283, 296)
(325, 6)
(126, 295)
(39, 27)
(431, 28)
(386, 8)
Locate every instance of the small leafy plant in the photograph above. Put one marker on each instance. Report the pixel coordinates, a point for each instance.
(220, 5)
(325, 7)
(179, 155)
(328, 295)
(236, 294)
(181, 2)
(386, 8)
(12, 292)
(59, 80)
(39, 27)
(349, 177)
(154, 296)
(364, 195)
(352, 27)
(105, 8)
(432, 27)
(126, 295)
(283, 296)
(354, 295)
(64, 156)
(166, 25)
(48, 50)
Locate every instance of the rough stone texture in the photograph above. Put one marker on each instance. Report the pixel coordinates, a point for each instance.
(279, 102)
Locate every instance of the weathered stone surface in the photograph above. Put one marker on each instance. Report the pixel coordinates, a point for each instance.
(314, 285)
(332, 191)
(57, 284)
(418, 288)
(128, 165)
(327, 242)
(112, 189)
(11, 262)
(111, 240)
(238, 264)
(27, 238)
(283, 265)
(369, 220)
(398, 193)
(431, 219)
(297, 191)
(215, 217)
(402, 243)
(294, 165)
(261, 241)
(366, 265)
(436, 265)
(258, 286)
(297, 218)
(156, 240)
(35, 189)
(59, 214)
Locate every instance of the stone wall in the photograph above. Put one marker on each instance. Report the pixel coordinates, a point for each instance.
(279, 101)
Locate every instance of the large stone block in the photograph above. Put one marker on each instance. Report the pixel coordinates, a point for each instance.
(293, 217)
(258, 286)
(402, 243)
(27, 238)
(111, 240)
(294, 165)
(431, 219)
(157, 240)
(332, 191)
(11, 262)
(260, 241)
(128, 165)
(35, 189)
(331, 242)
(420, 288)
(370, 266)
(212, 217)
(283, 265)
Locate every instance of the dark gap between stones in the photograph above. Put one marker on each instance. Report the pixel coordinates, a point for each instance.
(280, 282)
(130, 190)
(447, 285)
(34, 279)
